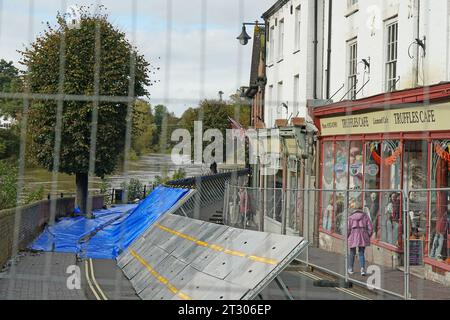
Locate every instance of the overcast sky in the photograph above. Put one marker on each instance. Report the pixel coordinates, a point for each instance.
(226, 62)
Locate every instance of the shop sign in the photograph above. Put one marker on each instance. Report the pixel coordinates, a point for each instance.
(355, 169)
(372, 170)
(425, 118)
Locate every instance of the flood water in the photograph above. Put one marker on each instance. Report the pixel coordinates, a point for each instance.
(145, 169)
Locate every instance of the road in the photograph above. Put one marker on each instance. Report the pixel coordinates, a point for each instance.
(45, 276)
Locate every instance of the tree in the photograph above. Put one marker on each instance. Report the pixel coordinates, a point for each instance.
(110, 61)
(10, 81)
(143, 128)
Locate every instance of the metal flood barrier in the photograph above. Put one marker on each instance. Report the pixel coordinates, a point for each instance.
(179, 258)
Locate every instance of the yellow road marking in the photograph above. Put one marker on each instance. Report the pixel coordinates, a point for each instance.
(160, 278)
(95, 281)
(89, 281)
(218, 248)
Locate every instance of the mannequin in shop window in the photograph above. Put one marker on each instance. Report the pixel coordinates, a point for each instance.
(442, 227)
(374, 210)
(393, 218)
(328, 215)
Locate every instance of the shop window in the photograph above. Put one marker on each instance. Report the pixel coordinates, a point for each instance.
(341, 185)
(415, 171)
(372, 175)
(391, 215)
(439, 223)
(328, 184)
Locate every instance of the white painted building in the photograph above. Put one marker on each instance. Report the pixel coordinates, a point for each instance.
(6, 122)
(291, 48)
(384, 33)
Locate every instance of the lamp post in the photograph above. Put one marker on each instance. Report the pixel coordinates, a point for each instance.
(244, 37)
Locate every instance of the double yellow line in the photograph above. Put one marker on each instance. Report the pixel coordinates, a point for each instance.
(92, 282)
(218, 248)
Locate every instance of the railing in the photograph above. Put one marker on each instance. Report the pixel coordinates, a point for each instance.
(400, 237)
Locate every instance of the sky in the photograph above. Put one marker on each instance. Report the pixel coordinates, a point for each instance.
(168, 32)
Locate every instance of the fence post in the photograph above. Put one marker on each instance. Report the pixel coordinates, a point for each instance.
(406, 241)
(283, 211)
(345, 227)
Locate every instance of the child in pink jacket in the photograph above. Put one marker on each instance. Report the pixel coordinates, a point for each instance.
(359, 231)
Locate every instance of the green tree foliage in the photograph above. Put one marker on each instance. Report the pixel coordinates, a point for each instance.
(10, 82)
(134, 188)
(81, 68)
(165, 122)
(8, 185)
(144, 128)
(9, 143)
(177, 175)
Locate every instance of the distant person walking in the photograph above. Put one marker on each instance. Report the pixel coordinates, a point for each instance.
(243, 206)
(359, 231)
(213, 168)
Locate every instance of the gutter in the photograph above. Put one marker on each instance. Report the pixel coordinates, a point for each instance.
(330, 19)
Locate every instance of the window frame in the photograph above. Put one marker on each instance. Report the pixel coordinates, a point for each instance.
(391, 55)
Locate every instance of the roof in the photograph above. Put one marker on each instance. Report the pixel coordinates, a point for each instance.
(274, 8)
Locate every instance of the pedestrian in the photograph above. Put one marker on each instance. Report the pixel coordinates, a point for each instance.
(213, 168)
(359, 231)
(243, 206)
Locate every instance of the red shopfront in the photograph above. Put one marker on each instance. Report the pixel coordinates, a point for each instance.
(379, 149)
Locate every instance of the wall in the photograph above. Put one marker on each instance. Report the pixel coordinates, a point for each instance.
(29, 221)
(294, 61)
(367, 22)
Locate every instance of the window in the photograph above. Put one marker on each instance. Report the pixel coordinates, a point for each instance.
(439, 218)
(271, 44)
(269, 104)
(327, 184)
(391, 57)
(352, 69)
(297, 27)
(296, 94)
(281, 39)
(279, 108)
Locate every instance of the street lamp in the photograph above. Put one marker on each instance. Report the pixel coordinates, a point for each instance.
(244, 37)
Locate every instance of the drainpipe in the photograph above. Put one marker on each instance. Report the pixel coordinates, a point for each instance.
(418, 47)
(317, 196)
(316, 9)
(330, 9)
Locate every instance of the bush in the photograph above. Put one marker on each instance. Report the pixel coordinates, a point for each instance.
(134, 188)
(34, 196)
(8, 185)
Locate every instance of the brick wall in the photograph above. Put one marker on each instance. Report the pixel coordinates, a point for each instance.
(29, 222)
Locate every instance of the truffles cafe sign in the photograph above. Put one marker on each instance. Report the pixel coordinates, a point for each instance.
(431, 118)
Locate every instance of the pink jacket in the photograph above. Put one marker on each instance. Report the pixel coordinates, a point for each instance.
(359, 230)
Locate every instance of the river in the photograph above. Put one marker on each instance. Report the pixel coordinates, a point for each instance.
(145, 169)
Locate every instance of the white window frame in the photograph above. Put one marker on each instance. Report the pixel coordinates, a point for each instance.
(391, 55)
(280, 39)
(352, 68)
(279, 101)
(298, 23)
(296, 98)
(271, 44)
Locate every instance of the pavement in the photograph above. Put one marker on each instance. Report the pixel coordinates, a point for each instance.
(391, 279)
(25, 279)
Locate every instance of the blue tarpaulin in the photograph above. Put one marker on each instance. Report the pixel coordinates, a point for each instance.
(111, 231)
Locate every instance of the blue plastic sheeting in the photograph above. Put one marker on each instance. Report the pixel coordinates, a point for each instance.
(112, 231)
